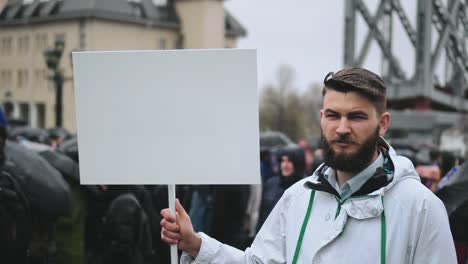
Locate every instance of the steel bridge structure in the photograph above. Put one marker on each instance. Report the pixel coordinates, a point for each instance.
(439, 35)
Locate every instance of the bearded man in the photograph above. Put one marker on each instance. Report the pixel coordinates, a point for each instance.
(364, 204)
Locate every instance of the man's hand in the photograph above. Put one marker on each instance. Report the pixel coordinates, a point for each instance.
(180, 231)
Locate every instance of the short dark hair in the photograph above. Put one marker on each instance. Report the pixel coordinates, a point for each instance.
(361, 81)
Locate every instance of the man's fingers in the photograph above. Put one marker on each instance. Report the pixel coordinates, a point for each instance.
(168, 240)
(166, 214)
(180, 209)
(170, 235)
(173, 227)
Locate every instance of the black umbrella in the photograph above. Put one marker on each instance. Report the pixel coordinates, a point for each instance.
(455, 198)
(33, 134)
(43, 185)
(64, 164)
(59, 132)
(70, 148)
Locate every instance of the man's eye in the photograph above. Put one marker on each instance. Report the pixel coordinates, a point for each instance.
(358, 117)
(332, 116)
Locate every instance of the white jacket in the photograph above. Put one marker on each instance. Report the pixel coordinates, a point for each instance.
(415, 228)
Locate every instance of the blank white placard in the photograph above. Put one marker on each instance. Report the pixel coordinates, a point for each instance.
(167, 117)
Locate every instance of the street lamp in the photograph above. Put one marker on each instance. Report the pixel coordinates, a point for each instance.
(52, 59)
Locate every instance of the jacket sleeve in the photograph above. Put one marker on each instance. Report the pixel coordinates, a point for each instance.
(269, 245)
(435, 243)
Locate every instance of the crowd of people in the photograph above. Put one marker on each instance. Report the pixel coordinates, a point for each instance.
(46, 216)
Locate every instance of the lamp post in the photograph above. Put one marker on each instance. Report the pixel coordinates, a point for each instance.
(52, 58)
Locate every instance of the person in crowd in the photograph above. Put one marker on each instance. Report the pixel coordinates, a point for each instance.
(292, 166)
(318, 160)
(308, 154)
(211, 215)
(364, 204)
(266, 166)
(252, 212)
(431, 174)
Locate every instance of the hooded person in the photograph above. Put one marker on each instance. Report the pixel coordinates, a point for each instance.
(292, 169)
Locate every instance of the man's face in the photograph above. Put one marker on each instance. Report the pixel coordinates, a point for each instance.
(287, 167)
(350, 130)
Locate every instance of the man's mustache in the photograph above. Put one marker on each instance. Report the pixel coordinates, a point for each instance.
(344, 139)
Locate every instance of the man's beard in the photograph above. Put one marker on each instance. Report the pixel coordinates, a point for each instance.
(354, 162)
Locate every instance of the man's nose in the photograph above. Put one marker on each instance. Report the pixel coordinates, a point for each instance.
(343, 127)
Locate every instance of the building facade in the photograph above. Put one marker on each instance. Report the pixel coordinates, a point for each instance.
(29, 27)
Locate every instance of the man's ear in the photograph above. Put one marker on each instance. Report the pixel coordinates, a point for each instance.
(384, 123)
(321, 114)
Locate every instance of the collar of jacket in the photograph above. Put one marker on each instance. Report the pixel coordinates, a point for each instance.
(381, 178)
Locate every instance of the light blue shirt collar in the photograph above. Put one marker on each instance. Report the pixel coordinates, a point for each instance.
(356, 182)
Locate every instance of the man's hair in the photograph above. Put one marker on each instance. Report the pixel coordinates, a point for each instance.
(359, 80)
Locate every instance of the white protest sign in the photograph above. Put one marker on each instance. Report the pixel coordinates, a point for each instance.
(167, 117)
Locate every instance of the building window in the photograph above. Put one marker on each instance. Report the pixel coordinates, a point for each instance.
(26, 44)
(26, 78)
(20, 78)
(8, 79)
(41, 115)
(162, 44)
(20, 45)
(23, 44)
(6, 45)
(5, 80)
(23, 78)
(2, 79)
(41, 42)
(24, 112)
(39, 78)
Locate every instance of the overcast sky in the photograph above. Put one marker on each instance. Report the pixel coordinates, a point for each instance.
(306, 34)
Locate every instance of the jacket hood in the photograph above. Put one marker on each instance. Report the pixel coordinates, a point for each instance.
(396, 168)
(297, 157)
(402, 166)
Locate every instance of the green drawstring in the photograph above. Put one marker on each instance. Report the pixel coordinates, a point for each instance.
(304, 226)
(383, 235)
(383, 230)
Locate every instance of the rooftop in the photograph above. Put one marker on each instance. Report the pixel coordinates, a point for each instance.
(156, 13)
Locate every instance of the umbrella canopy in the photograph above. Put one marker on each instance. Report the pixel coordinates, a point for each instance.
(43, 185)
(33, 134)
(59, 132)
(70, 148)
(34, 146)
(454, 195)
(64, 164)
